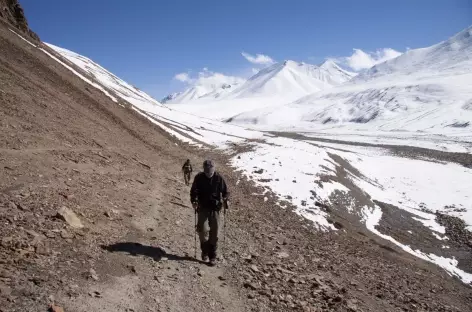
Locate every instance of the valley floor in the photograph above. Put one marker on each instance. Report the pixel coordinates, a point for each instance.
(65, 143)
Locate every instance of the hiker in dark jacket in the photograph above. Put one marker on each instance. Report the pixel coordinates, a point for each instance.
(209, 195)
(187, 170)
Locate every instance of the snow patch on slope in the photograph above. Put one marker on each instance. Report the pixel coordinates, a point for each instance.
(23, 38)
(289, 168)
(372, 218)
(418, 186)
(96, 85)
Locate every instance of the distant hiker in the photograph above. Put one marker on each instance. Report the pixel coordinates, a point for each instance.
(187, 170)
(209, 195)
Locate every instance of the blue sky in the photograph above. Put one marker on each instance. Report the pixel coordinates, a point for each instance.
(149, 42)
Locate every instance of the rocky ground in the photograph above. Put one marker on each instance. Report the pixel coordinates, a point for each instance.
(95, 217)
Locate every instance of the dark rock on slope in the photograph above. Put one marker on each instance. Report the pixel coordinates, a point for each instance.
(12, 12)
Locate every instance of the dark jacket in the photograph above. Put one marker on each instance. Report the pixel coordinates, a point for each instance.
(187, 168)
(209, 192)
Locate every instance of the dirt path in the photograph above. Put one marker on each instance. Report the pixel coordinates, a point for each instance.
(64, 144)
(151, 267)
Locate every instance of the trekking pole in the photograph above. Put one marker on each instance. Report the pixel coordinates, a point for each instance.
(224, 232)
(195, 234)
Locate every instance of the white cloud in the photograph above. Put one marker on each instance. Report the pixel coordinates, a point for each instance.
(183, 77)
(208, 78)
(255, 70)
(259, 59)
(360, 60)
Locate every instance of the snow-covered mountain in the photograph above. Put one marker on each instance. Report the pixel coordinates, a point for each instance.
(291, 79)
(450, 57)
(201, 92)
(286, 80)
(424, 89)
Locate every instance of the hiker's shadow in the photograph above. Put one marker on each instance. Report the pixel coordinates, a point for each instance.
(155, 253)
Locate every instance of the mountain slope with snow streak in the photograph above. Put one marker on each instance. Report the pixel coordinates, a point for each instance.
(119, 87)
(182, 125)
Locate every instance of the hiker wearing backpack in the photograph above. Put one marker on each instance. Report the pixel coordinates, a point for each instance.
(209, 195)
(187, 170)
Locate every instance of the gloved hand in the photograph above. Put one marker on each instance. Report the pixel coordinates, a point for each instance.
(195, 206)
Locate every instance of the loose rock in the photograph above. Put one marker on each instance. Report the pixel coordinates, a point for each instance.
(282, 255)
(93, 275)
(95, 294)
(70, 217)
(66, 235)
(252, 286)
(55, 308)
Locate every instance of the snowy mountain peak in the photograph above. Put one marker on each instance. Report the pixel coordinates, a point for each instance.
(209, 91)
(463, 36)
(292, 63)
(450, 57)
(334, 70)
(290, 80)
(170, 97)
(329, 64)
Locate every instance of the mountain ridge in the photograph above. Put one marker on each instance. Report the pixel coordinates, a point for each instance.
(425, 89)
(280, 79)
(199, 92)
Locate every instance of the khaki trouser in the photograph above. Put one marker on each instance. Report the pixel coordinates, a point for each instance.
(207, 228)
(187, 177)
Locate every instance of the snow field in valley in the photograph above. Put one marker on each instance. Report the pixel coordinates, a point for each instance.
(289, 168)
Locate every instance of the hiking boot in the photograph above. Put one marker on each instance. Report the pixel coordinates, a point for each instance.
(204, 247)
(212, 254)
